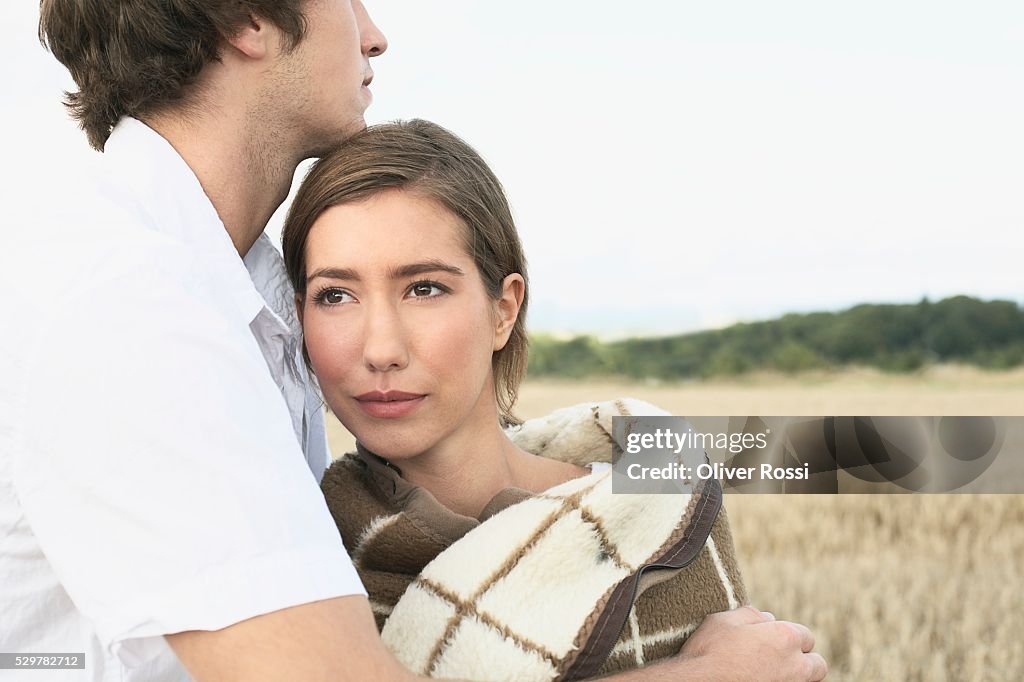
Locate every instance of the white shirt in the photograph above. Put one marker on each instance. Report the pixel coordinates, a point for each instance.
(160, 446)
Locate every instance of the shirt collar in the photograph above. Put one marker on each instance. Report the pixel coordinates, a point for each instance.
(172, 196)
(266, 268)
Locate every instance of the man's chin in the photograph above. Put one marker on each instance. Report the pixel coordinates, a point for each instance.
(328, 141)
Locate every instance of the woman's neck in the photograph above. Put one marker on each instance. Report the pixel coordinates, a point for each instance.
(466, 470)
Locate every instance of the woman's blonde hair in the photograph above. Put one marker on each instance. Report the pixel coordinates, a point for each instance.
(422, 157)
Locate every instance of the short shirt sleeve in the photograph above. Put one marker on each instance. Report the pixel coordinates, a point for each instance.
(158, 467)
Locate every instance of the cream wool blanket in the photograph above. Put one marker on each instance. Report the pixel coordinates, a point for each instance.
(567, 584)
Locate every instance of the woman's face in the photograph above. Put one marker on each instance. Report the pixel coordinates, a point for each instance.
(398, 326)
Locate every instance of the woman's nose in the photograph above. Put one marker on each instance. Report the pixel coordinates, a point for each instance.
(384, 347)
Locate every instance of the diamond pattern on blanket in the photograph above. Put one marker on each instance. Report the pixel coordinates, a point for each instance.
(423, 619)
(502, 601)
(487, 655)
(531, 585)
(465, 567)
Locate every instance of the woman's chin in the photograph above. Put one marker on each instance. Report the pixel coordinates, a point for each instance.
(393, 449)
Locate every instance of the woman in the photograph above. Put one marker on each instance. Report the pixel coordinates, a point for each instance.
(482, 560)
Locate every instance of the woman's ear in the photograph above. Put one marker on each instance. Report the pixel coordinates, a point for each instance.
(513, 291)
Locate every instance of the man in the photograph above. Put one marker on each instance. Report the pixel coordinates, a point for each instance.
(165, 521)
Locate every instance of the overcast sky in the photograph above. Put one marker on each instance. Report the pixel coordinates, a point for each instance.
(681, 165)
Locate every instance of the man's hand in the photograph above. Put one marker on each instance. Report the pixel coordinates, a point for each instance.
(748, 644)
(742, 645)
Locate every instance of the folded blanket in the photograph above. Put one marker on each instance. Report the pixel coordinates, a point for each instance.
(567, 584)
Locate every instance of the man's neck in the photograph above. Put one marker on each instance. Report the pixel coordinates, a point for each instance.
(245, 178)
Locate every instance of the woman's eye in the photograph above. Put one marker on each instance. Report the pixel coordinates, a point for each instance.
(426, 290)
(333, 297)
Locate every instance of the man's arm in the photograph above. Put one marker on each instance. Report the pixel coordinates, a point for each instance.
(333, 639)
(336, 640)
(172, 494)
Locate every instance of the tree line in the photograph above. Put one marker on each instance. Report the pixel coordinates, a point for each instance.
(897, 338)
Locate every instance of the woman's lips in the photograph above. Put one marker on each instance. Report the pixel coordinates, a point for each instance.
(389, 404)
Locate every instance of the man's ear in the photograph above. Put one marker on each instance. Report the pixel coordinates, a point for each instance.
(513, 291)
(255, 38)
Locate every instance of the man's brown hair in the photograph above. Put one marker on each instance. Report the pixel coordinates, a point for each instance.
(134, 57)
(426, 160)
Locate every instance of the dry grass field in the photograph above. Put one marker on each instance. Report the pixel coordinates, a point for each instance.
(895, 587)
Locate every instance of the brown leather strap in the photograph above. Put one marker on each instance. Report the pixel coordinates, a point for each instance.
(609, 624)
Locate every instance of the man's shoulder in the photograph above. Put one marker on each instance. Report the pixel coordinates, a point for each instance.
(93, 228)
(98, 256)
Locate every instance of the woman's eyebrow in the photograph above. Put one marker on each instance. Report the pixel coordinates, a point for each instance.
(335, 273)
(400, 272)
(422, 267)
